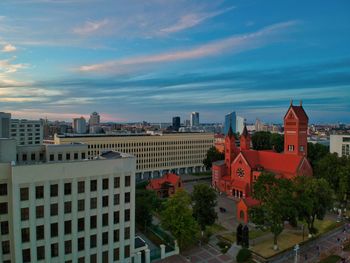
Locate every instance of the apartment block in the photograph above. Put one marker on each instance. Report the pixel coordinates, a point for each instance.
(340, 144)
(27, 132)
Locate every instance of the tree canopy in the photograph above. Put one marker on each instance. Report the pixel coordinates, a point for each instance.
(267, 141)
(315, 152)
(213, 155)
(146, 203)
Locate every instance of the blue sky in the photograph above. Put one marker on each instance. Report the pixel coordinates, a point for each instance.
(134, 60)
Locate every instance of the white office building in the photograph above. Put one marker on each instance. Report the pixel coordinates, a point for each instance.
(340, 144)
(79, 125)
(56, 206)
(194, 119)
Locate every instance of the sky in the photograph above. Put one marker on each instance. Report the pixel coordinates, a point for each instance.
(134, 60)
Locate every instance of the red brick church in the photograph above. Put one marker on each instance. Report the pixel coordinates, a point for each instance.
(242, 166)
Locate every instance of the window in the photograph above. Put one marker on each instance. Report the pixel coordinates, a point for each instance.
(67, 207)
(116, 182)
(105, 183)
(81, 260)
(81, 224)
(40, 232)
(54, 209)
(127, 180)
(290, 148)
(127, 251)
(127, 233)
(25, 235)
(67, 156)
(67, 227)
(93, 258)
(39, 192)
(24, 193)
(93, 241)
(39, 211)
(26, 255)
(67, 247)
(93, 203)
(104, 238)
(104, 219)
(93, 222)
(81, 187)
(81, 244)
(105, 256)
(54, 250)
(127, 197)
(93, 185)
(116, 217)
(3, 189)
(301, 148)
(52, 157)
(5, 247)
(54, 229)
(75, 156)
(83, 156)
(60, 157)
(67, 188)
(105, 201)
(4, 228)
(116, 199)
(40, 251)
(54, 190)
(81, 205)
(127, 215)
(116, 254)
(24, 214)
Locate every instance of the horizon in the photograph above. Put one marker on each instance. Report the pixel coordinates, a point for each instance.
(152, 61)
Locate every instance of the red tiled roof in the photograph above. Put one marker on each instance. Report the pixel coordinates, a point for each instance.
(299, 112)
(156, 183)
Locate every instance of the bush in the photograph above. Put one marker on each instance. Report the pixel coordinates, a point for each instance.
(243, 255)
(224, 246)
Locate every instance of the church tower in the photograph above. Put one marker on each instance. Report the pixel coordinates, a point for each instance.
(295, 130)
(245, 139)
(230, 149)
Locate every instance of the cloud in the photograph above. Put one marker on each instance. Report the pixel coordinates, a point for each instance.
(91, 27)
(234, 44)
(7, 66)
(191, 20)
(8, 48)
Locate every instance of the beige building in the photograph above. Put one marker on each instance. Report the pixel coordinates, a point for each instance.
(340, 144)
(58, 206)
(155, 154)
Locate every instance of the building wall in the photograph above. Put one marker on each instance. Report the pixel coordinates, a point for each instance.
(27, 132)
(230, 119)
(340, 144)
(5, 119)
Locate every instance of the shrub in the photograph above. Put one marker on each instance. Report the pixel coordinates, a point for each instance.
(243, 255)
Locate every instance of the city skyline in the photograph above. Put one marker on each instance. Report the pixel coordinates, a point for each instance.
(133, 62)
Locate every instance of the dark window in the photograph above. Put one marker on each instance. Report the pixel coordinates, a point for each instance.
(40, 251)
(81, 260)
(67, 227)
(93, 241)
(81, 187)
(67, 247)
(52, 157)
(32, 156)
(127, 233)
(81, 244)
(104, 219)
(67, 207)
(25, 235)
(93, 258)
(40, 232)
(60, 157)
(3, 189)
(54, 209)
(24, 192)
(127, 215)
(127, 180)
(105, 183)
(26, 255)
(67, 188)
(116, 254)
(24, 157)
(75, 156)
(93, 203)
(127, 251)
(4, 228)
(127, 197)
(105, 201)
(93, 222)
(54, 229)
(116, 235)
(39, 211)
(54, 190)
(54, 250)
(24, 214)
(116, 217)
(116, 199)
(39, 192)
(93, 185)
(67, 156)
(81, 224)
(5, 247)
(81, 205)
(83, 156)
(116, 182)
(105, 256)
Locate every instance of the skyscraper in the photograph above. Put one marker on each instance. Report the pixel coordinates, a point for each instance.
(230, 120)
(176, 123)
(79, 125)
(194, 119)
(5, 124)
(94, 119)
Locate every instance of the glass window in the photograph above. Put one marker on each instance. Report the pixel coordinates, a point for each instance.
(26, 255)
(93, 222)
(67, 227)
(67, 247)
(81, 187)
(104, 219)
(54, 190)
(24, 193)
(127, 215)
(104, 238)
(105, 201)
(81, 244)
(105, 256)
(52, 157)
(54, 229)
(25, 235)
(3, 189)
(5, 247)
(93, 241)
(60, 157)
(81, 205)
(93, 258)
(4, 227)
(116, 199)
(116, 217)
(24, 214)
(54, 250)
(93, 185)
(40, 232)
(127, 180)
(39, 211)
(93, 203)
(81, 224)
(116, 254)
(127, 251)
(127, 197)
(40, 251)
(105, 183)
(116, 182)
(67, 188)
(127, 233)
(67, 156)
(67, 207)
(39, 192)
(54, 209)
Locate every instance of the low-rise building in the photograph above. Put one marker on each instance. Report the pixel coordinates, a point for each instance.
(340, 144)
(165, 186)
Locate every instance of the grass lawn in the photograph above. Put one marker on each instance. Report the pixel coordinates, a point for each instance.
(252, 235)
(331, 259)
(215, 228)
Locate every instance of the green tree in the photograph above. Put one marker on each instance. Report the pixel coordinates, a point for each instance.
(213, 155)
(314, 198)
(277, 142)
(147, 203)
(277, 203)
(177, 218)
(204, 200)
(261, 140)
(316, 152)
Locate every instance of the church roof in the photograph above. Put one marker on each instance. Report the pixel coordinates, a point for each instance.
(245, 131)
(230, 132)
(299, 112)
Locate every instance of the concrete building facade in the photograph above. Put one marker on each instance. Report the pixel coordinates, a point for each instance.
(340, 144)
(79, 125)
(27, 132)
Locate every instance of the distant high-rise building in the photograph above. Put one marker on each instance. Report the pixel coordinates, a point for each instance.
(79, 125)
(194, 119)
(94, 119)
(27, 132)
(230, 120)
(176, 123)
(187, 123)
(5, 119)
(239, 124)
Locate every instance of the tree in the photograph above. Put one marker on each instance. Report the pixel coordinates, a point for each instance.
(204, 200)
(277, 203)
(177, 218)
(277, 142)
(261, 140)
(213, 155)
(146, 203)
(314, 198)
(315, 152)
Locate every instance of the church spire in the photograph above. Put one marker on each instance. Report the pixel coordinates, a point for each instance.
(245, 131)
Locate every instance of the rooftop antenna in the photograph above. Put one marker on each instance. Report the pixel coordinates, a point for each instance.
(291, 102)
(301, 103)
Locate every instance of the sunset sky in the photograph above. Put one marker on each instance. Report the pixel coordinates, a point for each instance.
(150, 60)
